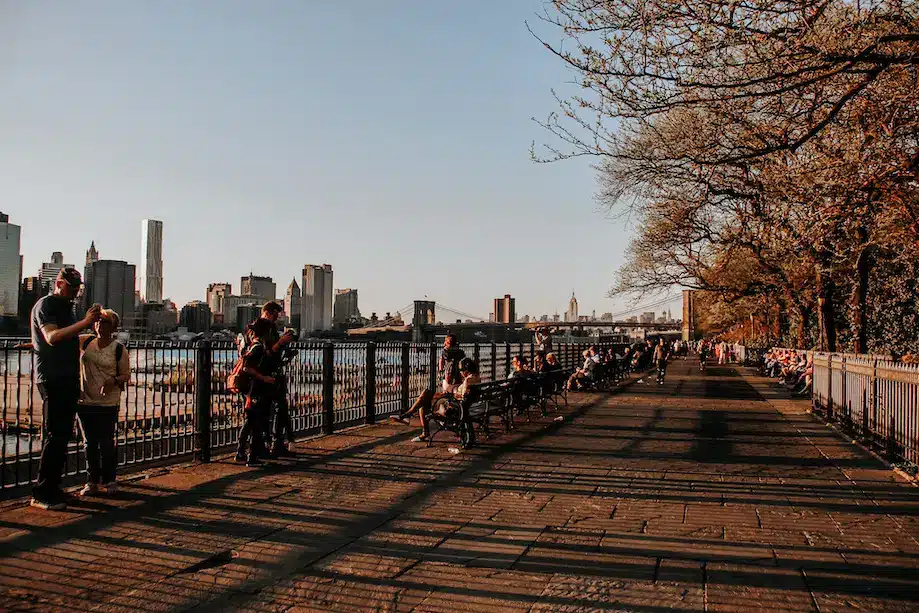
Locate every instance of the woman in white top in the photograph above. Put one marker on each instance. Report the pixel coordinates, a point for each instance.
(104, 369)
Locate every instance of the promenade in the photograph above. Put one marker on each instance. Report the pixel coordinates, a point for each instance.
(713, 492)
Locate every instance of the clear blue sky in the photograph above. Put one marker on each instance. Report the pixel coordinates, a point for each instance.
(389, 139)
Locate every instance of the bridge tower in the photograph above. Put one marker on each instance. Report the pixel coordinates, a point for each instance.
(423, 321)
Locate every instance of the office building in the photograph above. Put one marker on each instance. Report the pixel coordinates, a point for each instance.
(151, 260)
(231, 309)
(215, 297)
(10, 267)
(48, 271)
(345, 306)
(505, 310)
(154, 319)
(293, 304)
(30, 293)
(92, 254)
(263, 287)
(316, 305)
(111, 284)
(196, 317)
(246, 313)
(571, 315)
(606, 317)
(646, 318)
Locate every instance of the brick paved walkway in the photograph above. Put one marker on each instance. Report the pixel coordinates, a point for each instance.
(708, 493)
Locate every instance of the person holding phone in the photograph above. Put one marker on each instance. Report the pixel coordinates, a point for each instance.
(56, 344)
(281, 433)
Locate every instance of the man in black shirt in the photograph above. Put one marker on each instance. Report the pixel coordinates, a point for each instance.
(56, 343)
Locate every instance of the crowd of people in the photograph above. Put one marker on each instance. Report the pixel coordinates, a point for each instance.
(793, 369)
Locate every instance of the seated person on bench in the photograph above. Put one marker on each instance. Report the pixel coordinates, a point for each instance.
(583, 373)
(520, 367)
(469, 371)
(552, 363)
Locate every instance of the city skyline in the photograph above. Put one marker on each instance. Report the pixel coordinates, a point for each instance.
(198, 143)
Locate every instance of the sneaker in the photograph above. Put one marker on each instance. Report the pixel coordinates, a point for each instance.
(91, 489)
(110, 488)
(48, 503)
(254, 461)
(420, 439)
(399, 419)
(240, 457)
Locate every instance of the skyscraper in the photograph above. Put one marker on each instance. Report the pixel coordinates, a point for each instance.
(49, 270)
(216, 295)
(196, 316)
(262, 287)
(151, 260)
(505, 310)
(10, 267)
(345, 305)
(571, 315)
(293, 299)
(111, 284)
(316, 305)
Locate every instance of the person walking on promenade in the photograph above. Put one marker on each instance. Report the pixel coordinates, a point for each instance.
(104, 370)
(56, 343)
(661, 355)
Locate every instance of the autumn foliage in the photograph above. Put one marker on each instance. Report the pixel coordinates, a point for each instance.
(768, 149)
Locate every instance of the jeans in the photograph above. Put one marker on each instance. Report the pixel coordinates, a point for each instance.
(661, 369)
(282, 425)
(252, 432)
(98, 425)
(59, 405)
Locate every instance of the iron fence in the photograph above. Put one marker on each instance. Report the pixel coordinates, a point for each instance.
(177, 407)
(873, 397)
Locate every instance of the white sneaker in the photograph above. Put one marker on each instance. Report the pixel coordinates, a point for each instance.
(91, 489)
(110, 488)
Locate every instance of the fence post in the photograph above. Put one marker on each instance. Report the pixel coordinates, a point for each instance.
(203, 397)
(370, 400)
(406, 373)
(432, 365)
(846, 414)
(869, 432)
(507, 359)
(494, 362)
(328, 388)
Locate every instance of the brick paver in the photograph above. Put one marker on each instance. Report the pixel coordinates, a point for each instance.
(713, 492)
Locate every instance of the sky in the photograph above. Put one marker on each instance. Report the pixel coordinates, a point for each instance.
(388, 139)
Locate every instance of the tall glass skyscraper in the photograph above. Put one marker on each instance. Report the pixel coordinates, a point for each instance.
(151, 260)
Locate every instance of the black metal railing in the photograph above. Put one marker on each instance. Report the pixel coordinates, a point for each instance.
(177, 406)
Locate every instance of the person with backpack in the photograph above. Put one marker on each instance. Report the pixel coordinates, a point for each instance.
(279, 429)
(252, 377)
(105, 368)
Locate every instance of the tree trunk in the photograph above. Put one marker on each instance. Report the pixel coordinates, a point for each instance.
(863, 268)
(826, 315)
